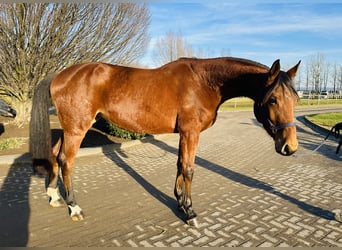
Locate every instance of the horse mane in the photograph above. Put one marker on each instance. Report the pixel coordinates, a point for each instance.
(221, 60)
(215, 70)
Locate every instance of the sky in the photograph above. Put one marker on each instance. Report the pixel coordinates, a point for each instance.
(259, 30)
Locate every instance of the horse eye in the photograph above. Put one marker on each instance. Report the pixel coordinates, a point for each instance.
(273, 100)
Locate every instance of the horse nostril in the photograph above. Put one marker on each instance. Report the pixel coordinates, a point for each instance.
(286, 149)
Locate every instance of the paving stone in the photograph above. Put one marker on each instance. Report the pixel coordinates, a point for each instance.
(243, 192)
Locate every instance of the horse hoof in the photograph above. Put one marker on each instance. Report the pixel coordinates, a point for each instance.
(192, 222)
(56, 203)
(76, 213)
(338, 215)
(78, 217)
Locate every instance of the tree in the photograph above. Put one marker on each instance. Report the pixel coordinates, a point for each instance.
(307, 79)
(319, 72)
(339, 84)
(40, 38)
(334, 78)
(171, 47)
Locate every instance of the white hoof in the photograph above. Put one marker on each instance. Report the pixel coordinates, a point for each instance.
(338, 215)
(55, 198)
(192, 222)
(76, 213)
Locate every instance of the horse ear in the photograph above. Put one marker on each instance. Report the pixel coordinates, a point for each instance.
(292, 72)
(274, 72)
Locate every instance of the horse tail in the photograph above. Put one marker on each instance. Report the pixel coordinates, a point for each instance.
(40, 134)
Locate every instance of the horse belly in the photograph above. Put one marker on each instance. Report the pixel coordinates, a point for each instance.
(142, 118)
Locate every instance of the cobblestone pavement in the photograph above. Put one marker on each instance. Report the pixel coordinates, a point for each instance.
(243, 192)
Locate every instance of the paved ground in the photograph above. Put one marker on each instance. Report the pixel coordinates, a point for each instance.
(244, 193)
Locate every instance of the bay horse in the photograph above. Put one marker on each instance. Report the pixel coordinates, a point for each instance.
(179, 97)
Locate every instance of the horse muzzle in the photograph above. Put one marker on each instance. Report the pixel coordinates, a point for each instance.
(286, 149)
(286, 146)
(284, 136)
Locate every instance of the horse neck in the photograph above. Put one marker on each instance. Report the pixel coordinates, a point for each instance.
(236, 79)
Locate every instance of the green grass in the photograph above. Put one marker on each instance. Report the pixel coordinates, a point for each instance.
(326, 120)
(12, 143)
(239, 103)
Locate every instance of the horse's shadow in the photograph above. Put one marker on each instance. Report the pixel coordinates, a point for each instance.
(220, 170)
(252, 182)
(114, 155)
(15, 208)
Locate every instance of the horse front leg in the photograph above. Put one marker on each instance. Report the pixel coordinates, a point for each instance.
(185, 171)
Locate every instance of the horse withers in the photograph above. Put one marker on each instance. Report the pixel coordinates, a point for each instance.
(180, 97)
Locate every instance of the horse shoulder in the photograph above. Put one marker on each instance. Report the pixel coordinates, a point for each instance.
(197, 101)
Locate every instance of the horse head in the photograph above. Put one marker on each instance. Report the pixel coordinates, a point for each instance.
(275, 108)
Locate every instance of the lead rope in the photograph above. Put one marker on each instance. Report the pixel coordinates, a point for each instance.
(313, 151)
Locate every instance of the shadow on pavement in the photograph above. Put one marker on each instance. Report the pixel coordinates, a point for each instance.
(114, 155)
(14, 194)
(251, 182)
(14, 205)
(314, 140)
(317, 146)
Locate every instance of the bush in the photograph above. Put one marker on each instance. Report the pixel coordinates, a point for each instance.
(122, 133)
(12, 143)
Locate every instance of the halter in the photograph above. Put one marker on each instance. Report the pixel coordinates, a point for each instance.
(275, 128)
(263, 114)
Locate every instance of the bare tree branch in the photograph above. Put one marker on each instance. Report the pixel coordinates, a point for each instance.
(171, 47)
(39, 38)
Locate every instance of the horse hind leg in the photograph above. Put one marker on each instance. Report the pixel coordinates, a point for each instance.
(55, 199)
(70, 147)
(63, 155)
